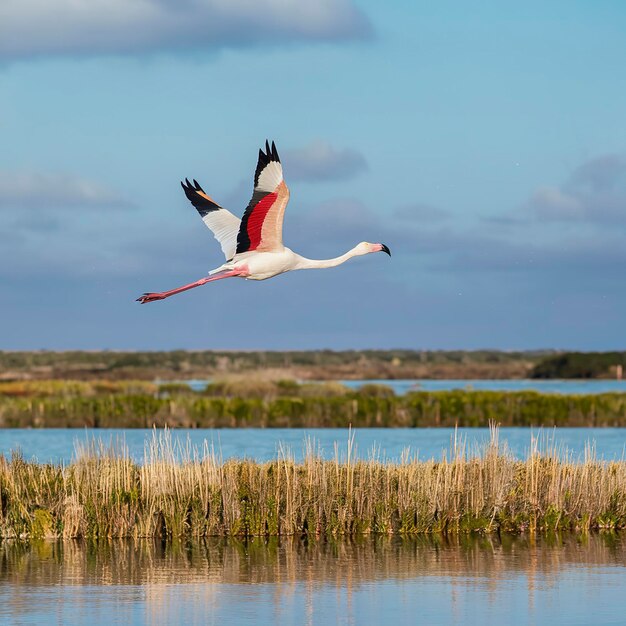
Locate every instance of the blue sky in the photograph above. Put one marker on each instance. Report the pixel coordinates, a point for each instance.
(484, 144)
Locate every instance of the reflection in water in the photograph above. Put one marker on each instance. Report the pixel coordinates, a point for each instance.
(520, 579)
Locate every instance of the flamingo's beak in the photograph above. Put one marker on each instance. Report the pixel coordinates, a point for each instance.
(384, 248)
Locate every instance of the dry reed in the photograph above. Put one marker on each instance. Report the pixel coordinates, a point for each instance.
(179, 491)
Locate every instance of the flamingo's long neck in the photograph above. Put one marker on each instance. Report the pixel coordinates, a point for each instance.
(312, 264)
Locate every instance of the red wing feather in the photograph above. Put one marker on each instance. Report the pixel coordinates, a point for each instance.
(256, 219)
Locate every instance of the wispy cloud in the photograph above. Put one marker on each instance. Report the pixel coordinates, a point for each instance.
(38, 28)
(44, 190)
(595, 192)
(320, 161)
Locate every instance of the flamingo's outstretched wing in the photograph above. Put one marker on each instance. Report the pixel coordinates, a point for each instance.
(220, 221)
(262, 223)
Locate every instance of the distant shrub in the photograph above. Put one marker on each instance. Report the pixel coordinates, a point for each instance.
(322, 390)
(241, 388)
(579, 365)
(372, 390)
(171, 389)
(287, 387)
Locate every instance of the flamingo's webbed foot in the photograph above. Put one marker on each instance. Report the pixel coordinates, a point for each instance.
(150, 297)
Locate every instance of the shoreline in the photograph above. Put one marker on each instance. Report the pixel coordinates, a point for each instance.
(184, 492)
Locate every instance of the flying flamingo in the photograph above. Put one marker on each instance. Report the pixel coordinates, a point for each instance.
(253, 246)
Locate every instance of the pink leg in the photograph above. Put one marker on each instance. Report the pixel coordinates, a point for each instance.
(153, 296)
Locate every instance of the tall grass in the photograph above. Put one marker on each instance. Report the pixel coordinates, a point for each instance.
(179, 491)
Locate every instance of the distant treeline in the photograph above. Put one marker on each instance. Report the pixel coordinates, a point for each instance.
(320, 364)
(310, 365)
(286, 404)
(580, 365)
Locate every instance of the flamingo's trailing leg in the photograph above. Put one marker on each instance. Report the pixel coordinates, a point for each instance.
(153, 296)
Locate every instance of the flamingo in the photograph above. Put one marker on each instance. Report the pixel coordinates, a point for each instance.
(253, 245)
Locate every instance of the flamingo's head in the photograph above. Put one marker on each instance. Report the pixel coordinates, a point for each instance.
(366, 248)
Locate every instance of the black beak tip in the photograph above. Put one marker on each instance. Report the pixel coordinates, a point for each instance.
(385, 249)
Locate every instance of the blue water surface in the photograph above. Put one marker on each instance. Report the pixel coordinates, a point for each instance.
(566, 580)
(401, 387)
(54, 444)
(544, 386)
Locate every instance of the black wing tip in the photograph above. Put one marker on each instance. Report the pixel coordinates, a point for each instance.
(270, 153)
(187, 186)
(275, 152)
(200, 202)
(189, 191)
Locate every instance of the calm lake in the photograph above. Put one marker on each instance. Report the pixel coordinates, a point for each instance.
(545, 386)
(56, 445)
(565, 579)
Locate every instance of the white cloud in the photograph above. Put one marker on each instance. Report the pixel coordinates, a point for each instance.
(40, 190)
(320, 161)
(594, 193)
(554, 203)
(36, 28)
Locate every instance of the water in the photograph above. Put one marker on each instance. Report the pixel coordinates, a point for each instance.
(545, 386)
(565, 579)
(565, 387)
(56, 445)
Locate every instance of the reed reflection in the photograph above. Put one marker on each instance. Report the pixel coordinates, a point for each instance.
(486, 559)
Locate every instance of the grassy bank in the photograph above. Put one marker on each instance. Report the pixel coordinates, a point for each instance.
(267, 404)
(105, 494)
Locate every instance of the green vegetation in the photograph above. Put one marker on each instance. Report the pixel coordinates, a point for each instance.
(104, 494)
(580, 365)
(284, 403)
(311, 365)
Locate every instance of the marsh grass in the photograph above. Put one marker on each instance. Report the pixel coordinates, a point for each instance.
(266, 403)
(73, 388)
(181, 491)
